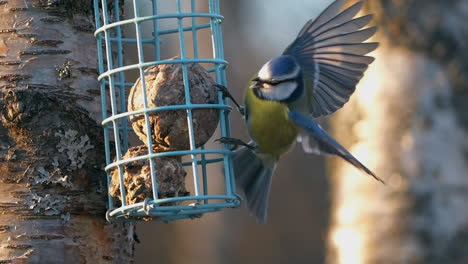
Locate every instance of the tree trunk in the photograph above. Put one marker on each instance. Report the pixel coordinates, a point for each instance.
(408, 122)
(52, 186)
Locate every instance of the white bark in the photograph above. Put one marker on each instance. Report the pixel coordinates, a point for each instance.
(406, 123)
(52, 199)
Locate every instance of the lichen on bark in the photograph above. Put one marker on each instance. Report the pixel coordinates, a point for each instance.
(52, 186)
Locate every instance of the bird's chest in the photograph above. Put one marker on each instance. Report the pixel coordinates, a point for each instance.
(269, 126)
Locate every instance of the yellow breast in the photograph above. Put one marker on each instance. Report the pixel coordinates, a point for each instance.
(269, 125)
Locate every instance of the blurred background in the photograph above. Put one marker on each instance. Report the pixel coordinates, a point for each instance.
(407, 121)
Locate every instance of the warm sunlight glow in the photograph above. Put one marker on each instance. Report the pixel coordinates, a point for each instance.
(350, 237)
(346, 214)
(350, 242)
(364, 153)
(370, 85)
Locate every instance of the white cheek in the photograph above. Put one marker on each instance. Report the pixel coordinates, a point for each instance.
(279, 92)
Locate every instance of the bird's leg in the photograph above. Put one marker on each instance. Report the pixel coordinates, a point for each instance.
(227, 94)
(235, 142)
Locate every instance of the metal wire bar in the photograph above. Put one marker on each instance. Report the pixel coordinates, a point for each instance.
(156, 32)
(164, 108)
(203, 161)
(193, 9)
(219, 53)
(113, 100)
(163, 32)
(146, 64)
(107, 27)
(120, 63)
(168, 153)
(187, 100)
(145, 103)
(97, 15)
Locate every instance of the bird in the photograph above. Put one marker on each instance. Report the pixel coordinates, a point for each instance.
(313, 77)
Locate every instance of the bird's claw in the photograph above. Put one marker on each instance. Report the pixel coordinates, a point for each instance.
(235, 142)
(241, 110)
(223, 89)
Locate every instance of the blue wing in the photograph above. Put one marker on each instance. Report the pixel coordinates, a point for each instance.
(331, 54)
(325, 144)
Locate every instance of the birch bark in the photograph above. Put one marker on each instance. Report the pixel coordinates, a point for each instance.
(52, 188)
(408, 122)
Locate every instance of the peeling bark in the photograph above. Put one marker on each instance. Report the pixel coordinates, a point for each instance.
(52, 186)
(408, 123)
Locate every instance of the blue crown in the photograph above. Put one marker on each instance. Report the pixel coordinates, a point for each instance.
(280, 68)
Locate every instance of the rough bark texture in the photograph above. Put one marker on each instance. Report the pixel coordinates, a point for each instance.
(408, 123)
(52, 188)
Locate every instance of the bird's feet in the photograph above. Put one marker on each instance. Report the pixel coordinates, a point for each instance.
(227, 94)
(234, 142)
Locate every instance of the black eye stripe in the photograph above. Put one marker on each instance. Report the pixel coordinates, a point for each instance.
(273, 82)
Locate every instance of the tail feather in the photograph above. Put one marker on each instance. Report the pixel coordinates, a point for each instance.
(253, 174)
(317, 141)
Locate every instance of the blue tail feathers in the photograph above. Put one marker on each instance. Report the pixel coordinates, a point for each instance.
(253, 173)
(325, 144)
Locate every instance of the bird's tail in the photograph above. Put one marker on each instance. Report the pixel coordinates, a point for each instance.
(316, 140)
(253, 174)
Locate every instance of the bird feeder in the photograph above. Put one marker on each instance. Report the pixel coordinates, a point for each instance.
(160, 105)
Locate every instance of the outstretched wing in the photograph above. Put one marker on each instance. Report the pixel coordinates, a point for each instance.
(332, 56)
(325, 144)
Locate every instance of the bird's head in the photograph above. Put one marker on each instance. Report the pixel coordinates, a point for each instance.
(280, 79)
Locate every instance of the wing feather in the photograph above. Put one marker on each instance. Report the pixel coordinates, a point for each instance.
(326, 15)
(353, 48)
(347, 27)
(331, 52)
(343, 64)
(346, 57)
(352, 37)
(309, 32)
(352, 73)
(339, 19)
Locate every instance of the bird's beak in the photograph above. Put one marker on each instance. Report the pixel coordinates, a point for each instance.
(255, 83)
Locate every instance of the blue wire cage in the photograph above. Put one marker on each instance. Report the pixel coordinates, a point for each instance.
(115, 68)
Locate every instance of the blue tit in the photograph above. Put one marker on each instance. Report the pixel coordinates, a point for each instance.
(315, 76)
